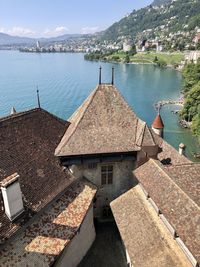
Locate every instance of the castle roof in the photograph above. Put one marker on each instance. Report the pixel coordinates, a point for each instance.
(27, 144)
(104, 123)
(176, 189)
(46, 237)
(145, 237)
(158, 123)
(170, 155)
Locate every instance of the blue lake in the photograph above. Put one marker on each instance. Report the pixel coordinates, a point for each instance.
(65, 80)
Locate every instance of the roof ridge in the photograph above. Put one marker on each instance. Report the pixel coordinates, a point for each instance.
(62, 121)
(151, 133)
(18, 114)
(184, 164)
(105, 103)
(90, 97)
(27, 112)
(142, 131)
(158, 164)
(127, 104)
(136, 127)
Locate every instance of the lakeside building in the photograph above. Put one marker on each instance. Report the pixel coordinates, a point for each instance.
(192, 56)
(127, 45)
(197, 37)
(57, 175)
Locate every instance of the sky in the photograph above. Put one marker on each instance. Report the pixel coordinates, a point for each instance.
(47, 18)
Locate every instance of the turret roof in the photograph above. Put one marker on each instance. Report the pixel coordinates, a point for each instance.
(104, 123)
(158, 123)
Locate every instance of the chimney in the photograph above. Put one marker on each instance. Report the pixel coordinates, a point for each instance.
(182, 149)
(12, 196)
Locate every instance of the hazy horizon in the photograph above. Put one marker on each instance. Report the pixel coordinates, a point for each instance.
(38, 19)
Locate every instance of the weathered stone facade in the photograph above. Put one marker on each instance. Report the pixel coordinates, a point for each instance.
(80, 244)
(122, 181)
(104, 131)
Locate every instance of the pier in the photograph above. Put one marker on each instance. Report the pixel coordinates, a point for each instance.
(161, 103)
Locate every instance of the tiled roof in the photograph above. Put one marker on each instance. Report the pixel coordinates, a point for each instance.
(146, 239)
(176, 192)
(158, 123)
(40, 243)
(187, 177)
(169, 153)
(9, 180)
(104, 123)
(149, 138)
(27, 144)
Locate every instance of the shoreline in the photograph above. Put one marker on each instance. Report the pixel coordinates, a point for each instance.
(136, 63)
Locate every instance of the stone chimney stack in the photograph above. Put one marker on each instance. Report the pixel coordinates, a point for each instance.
(182, 149)
(12, 196)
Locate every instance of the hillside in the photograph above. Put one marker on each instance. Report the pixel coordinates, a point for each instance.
(154, 21)
(160, 2)
(6, 39)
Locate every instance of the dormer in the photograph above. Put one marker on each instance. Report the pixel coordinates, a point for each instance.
(12, 196)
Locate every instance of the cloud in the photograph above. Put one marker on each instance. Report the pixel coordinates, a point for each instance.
(25, 32)
(55, 32)
(18, 31)
(86, 30)
(61, 29)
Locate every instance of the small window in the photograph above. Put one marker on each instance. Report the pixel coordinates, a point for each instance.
(92, 165)
(107, 174)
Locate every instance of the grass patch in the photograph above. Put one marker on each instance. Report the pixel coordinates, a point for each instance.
(162, 58)
(169, 58)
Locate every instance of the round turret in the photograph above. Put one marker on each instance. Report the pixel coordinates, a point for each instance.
(158, 125)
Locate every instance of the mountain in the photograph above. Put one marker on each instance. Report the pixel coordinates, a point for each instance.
(160, 2)
(6, 39)
(155, 21)
(60, 38)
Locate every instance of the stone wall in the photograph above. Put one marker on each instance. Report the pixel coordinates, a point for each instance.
(80, 244)
(145, 153)
(122, 181)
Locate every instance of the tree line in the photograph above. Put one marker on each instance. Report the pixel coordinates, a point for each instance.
(191, 89)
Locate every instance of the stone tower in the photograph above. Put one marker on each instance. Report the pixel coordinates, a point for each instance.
(158, 125)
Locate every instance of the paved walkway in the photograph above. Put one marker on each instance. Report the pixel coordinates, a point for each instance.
(107, 249)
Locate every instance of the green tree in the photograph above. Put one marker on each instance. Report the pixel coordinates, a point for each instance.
(191, 109)
(161, 63)
(198, 45)
(196, 125)
(127, 59)
(191, 75)
(133, 50)
(192, 103)
(155, 59)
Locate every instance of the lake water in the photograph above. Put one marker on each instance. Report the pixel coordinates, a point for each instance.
(65, 80)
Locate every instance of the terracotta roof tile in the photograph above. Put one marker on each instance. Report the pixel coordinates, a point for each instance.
(27, 144)
(187, 177)
(104, 123)
(9, 180)
(170, 154)
(146, 239)
(158, 123)
(40, 243)
(170, 190)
